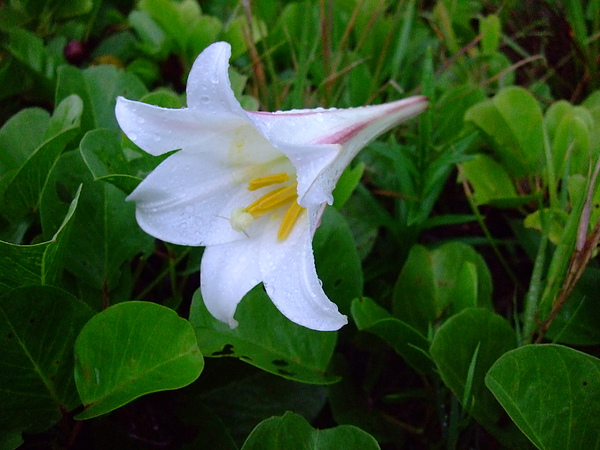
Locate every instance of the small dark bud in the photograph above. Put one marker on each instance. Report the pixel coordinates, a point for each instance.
(75, 52)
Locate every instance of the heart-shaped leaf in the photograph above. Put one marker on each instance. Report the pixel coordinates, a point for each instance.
(512, 120)
(293, 431)
(552, 393)
(265, 339)
(474, 332)
(132, 349)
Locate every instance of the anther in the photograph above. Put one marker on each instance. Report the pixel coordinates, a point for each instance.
(289, 220)
(269, 180)
(273, 200)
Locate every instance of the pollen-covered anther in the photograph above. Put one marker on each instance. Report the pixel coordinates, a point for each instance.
(273, 200)
(289, 220)
(269, 180)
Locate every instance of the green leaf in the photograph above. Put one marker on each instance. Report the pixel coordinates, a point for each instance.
(99, 248)
(153, 38)
(578, 321)
(572, 142)
(176, 19)
(552, 393)
(22, 265)
(163, 98)
(22, 193)
(347, 183)
(438, 283)
(337, 260)
(512, 120)
(29, 50)
(20, 136)
(201, 34)
(98, 87)
(73, 8)
(237, 32)
(451, 108)
(480, 332)
(490, 182)
(265, 339)
(294, 432)
(411, 345)
(549, 222)
(38, 327)
(132, 349)
(491, 30)
(102, 152)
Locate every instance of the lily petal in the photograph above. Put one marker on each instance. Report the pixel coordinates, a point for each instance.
(208, 85)
(158, 130)
(290, 278)
(187, 203)
(335, 126)
(316, 132)
(310, 161)
(228, 272)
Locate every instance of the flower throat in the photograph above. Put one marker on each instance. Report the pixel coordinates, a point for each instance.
(241, 218)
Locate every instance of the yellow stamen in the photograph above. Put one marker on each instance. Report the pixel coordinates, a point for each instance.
(269, 180)
(273, 200)
(289, 220)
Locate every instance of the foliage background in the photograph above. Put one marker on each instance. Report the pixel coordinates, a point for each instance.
(461, 245)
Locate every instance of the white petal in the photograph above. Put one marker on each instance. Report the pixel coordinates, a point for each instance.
(188, 201)
(159, 130)
(321, 143)
(156, 130)
(227, 273)
(335, 126)
(208, 86)
(310, 161)
(290, 278)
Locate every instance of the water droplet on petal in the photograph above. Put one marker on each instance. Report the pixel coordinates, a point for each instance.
(204, 99)
(133, 136)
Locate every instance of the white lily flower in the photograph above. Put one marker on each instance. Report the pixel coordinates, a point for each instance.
(250, 186)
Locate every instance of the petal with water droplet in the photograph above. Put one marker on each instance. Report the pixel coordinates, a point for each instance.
(227, 273)
(189, 202)
(290, 278)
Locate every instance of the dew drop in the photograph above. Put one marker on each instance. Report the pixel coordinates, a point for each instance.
(204, 99)
(133, 136)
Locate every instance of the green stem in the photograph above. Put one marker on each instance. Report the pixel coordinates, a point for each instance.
(534, 293)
